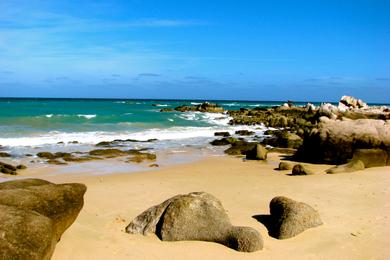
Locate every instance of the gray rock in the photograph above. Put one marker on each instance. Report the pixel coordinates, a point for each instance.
(257, 153)
(195, 216)
(34, 214)
(354, 165)
(299, 169)
(290, 217)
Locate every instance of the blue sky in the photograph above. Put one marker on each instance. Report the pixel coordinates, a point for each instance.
(215, 49)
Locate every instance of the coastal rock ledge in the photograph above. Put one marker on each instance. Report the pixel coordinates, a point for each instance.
(34, 214)
(195, 216)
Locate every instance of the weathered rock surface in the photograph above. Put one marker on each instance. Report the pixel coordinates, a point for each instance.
(257, 153)
(195, 216)
(10, 169)
(335, 141)
(284, 139)
(351, 102)
(244, 132)
(34, 214)
(290, 217)
(354, 165)
(372, 157)
(299, 169)
(283, 166)
(224, 134)
(240, 147)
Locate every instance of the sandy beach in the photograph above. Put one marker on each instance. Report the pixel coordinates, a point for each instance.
(353, 206)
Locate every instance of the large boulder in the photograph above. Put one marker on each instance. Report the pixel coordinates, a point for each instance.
(195, 216)
(335, 141)
(34, 214)
(257, 153)
(290, 217)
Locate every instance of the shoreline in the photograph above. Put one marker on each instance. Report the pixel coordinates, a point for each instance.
(353, 207)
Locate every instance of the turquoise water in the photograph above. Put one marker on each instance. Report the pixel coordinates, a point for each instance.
(24, 121)
(43, 122)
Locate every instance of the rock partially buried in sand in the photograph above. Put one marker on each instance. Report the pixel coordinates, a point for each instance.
(33, 215)
(285, 166)
(352, 166)
(299, 169)
(257, 153)
(290, 217)
(195, 216)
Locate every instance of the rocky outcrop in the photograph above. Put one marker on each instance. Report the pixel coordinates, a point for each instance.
(34, 214)
(195, 216)
(290, 218)
(204, 107)
(335, 141)
(257, 153)
(347, 102)
(353, 166)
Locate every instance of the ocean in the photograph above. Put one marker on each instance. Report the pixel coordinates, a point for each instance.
(31, 125)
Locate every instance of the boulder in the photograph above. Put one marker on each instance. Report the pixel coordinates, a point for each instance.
(285, 166)
(299, 169)
(335, 141)
(224, 134)
(34, 214)
(195, 216)
(7, 168)
(284, 139)
(257, 153)
(220, 142)
(372, 157)
(4, 154)
(354, 165)
(240, 147)
(290, 217)
(244, 132)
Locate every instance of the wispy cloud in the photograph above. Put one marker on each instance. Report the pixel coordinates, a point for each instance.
(149, 75)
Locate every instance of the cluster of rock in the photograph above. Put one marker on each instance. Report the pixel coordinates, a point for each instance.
(61, 158)
(345, 135)
(204, 107)
(34, 214)
(11, 169)
(200, 216)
